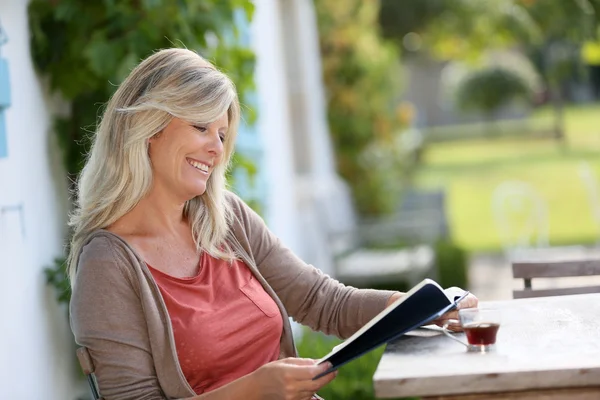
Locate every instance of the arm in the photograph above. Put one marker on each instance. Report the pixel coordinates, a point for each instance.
(311, 297)
(107, 318)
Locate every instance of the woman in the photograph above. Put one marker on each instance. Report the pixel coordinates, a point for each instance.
(179, 289)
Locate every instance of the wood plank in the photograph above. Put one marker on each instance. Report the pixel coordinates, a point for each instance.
(543, 344)
(589, 393)
(555, 269)
(526, 294)
(445, 380)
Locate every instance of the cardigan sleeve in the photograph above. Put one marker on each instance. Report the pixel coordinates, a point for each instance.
(309, 296)
(107, 317)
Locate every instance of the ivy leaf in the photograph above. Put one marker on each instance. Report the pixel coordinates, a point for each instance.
(102, 56)
(151, 4)
(125, 67)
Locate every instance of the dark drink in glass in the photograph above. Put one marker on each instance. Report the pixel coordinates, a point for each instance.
(481, 333)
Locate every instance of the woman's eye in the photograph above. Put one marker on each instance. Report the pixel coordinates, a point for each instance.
(222, 138)
(200, 128)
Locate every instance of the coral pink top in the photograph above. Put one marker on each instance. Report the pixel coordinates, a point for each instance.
(225, 324)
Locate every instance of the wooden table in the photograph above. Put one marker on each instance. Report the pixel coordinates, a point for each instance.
(548, 348)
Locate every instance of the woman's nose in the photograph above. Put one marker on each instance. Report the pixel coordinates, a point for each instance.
(215, 145)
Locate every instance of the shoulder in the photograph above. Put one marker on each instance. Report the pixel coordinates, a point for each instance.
(242, 213)
(249, 229)
(234, 202)
(97, 247)
(105, 256)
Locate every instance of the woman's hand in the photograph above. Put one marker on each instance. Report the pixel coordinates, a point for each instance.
(468, 302)
(291, 379)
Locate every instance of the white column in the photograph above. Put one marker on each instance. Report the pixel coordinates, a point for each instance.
(273, 122)
(312, 90)
(324, 201)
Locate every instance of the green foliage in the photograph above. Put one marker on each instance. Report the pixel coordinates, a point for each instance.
(84, 49)
(563, 20)
(452, 264)
(398, 18)
(549, 31)
(56, 276)
(361, 74)
(354, 380)
(453, 29)
(489, 89)
(463, 28)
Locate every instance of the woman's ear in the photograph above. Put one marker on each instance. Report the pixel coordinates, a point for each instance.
(150, 140)
(153, 138)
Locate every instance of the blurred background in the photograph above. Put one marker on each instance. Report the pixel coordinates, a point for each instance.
(384, 141)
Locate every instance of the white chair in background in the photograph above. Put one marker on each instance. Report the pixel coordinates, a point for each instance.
(590, 182)
(521, 217)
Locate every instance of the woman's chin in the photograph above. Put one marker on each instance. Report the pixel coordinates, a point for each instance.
(188, 190)
(196, 191)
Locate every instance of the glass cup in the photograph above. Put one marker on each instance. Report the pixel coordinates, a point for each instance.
(480, 326)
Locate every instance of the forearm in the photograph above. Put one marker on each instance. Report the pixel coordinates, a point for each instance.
(243, 388)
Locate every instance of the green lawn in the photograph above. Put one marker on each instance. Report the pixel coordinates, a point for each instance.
(471, 169)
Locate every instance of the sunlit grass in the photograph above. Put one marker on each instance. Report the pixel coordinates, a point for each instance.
(470, 170)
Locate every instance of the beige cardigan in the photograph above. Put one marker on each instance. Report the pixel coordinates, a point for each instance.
(118, 313)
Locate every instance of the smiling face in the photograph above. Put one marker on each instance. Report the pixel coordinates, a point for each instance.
(183, 156)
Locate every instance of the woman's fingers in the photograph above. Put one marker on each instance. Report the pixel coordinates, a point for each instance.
(299, 361)
(317, 384)
(307, 369)
(308, 386)
(292, 378)
(451, 317)
(471, 301)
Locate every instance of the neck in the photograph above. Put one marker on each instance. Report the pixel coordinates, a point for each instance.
(158, 213)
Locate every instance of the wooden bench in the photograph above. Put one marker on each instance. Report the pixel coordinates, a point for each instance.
(527, 270)
(397, 248)
(369, 267)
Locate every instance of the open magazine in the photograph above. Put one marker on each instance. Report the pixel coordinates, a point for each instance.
(423, 304)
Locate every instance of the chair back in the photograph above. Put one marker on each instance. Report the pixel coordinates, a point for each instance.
(590, 182)
(521, 217)
(87, 366)
(527, 270)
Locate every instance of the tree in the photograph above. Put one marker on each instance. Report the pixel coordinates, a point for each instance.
(463, 29)
(455, 28)
(561, 25)
(489, 89)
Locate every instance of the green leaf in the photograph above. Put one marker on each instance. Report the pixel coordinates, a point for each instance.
(102, 55)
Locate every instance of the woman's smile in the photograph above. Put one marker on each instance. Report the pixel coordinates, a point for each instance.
(198, 165)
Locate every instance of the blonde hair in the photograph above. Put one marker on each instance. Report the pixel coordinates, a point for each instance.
(117, 175)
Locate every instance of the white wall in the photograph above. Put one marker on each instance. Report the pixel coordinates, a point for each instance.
(36, 353)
